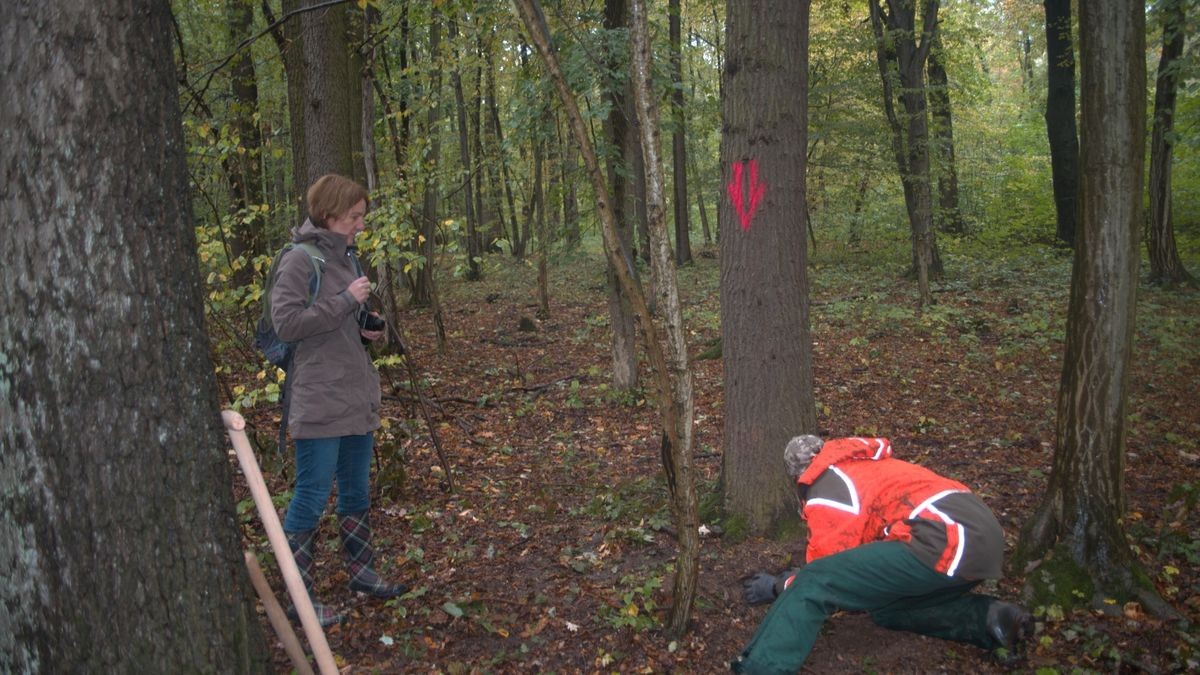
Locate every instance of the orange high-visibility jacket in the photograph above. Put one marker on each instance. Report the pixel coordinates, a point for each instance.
(857, 493)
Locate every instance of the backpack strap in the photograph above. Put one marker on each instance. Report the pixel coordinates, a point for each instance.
(314, 282)
(318, 262)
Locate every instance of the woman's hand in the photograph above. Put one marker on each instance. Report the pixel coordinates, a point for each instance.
(359, 289)
(372, 335)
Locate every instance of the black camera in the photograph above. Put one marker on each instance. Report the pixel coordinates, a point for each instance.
(369, 321)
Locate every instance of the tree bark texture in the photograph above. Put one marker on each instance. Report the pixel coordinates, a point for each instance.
(677, 447)
(119, 547)
(767, 346)
(1166, 268)
(901, 56)
(683, 243)
(330, 127)
(1081, 513)
(948, 216)
(620, 310)
(1060, 118)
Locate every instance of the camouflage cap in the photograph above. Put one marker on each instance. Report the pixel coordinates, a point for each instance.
(799, 453)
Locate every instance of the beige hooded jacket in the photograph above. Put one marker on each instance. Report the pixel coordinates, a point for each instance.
(334, 385)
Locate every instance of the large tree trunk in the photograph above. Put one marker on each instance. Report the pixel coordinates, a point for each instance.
(902, 58)
(331, 96)
(121, 551)
(683, 243)
(620, 311)
(1166, 268)
(767, 346)
(245, 167)
(948, 215)
(1077, 530)
(1060, 117)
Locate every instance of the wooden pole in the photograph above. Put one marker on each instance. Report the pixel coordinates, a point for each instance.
(236, 426)
(283, 628)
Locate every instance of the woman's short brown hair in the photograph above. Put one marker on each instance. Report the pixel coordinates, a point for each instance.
(332, 196)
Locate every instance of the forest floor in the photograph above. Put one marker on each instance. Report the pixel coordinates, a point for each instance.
(555, 551)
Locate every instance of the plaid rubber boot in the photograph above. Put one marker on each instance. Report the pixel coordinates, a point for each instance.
(356, 544)
(301, 544)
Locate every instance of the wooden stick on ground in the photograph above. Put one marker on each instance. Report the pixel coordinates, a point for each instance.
(236, 426)
(279, 621)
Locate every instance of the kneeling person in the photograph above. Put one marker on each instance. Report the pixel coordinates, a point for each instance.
(886, 537)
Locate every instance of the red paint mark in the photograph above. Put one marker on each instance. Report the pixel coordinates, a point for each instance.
(746, 206)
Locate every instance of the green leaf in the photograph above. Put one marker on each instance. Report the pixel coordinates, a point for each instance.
(452, 609)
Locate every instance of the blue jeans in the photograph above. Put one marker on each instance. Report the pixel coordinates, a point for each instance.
(318, 460)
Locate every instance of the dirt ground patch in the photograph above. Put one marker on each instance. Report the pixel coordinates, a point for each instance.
(555, 552)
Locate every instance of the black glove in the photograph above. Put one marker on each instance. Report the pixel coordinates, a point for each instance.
(759, 589)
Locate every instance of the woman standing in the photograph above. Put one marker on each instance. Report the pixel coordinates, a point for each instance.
(335, 387)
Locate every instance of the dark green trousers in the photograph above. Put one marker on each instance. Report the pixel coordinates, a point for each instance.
(883, 578)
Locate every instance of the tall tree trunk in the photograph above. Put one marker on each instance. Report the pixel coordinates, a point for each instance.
(1079, 522)
(474, 249)
(484, 229)
(366, 126)
(700, 203)
(683, 243)
(767, 345)
(353, 78)
(423, 291)
(538, 216)
(121, 550)
(901, 59)
(947, 215)
(492, 155)
(620, 311)
(292, 50)
(568, 167)
(708, 240)
(1026, 59)
(330, 96)
(659, 343)
(677, 446)
(245, 167)
(498, 131)
(1060, 117)
(1166, 268)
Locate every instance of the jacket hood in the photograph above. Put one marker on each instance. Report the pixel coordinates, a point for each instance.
(331, 242)
(838, 450)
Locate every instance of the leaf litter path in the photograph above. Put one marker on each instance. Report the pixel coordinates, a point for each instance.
(555, 553)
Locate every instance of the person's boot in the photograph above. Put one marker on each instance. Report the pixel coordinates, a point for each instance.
(301, 544)
(1009, 625)
(356, 544)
